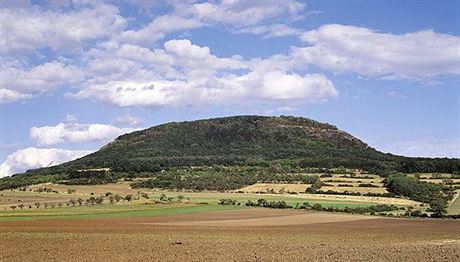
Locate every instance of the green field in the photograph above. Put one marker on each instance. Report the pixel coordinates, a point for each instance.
(454, 208)
(197, 202)
(108, 211)
(213, 198)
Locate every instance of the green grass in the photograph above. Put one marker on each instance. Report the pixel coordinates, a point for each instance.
(109, 211)
(213, 199)
(454, 208)
(138, 210)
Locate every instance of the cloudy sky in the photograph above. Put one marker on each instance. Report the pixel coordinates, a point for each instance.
(76, 74)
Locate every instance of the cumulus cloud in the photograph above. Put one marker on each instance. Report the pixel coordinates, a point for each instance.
(279, 85)
(157, 29)
(193, 55)
(34, 28)
(39, 79)
(62, 133)
(127, 93)
(193, 75)
(32, 157)
(240, 12)
(360, 50)
(8, 96)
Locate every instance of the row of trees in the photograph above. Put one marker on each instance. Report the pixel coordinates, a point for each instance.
(376, 209)
(93, 200)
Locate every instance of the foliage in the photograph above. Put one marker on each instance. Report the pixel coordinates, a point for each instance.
(415, 189)
(271, 204)
(218, 178)
(438, 207)
(227, 202)
(317, 207)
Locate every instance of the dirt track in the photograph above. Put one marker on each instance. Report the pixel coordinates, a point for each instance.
(137, 239)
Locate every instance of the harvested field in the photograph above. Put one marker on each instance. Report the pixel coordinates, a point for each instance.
(431, 175)
(354, 184)
(8, 198)
(138, 239)
(351, 180)
(440, 181)
(376, 190)
(276, 188)
(371, 200)
(121, 188)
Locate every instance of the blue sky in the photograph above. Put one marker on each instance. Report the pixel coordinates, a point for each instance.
(76, 74)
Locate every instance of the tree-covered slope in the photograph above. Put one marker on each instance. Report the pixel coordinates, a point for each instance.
(245, 140)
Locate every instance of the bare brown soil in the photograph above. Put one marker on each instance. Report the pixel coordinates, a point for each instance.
(264, 217)
(140, 239)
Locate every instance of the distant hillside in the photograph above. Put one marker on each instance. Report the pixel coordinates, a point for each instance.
(247, 141)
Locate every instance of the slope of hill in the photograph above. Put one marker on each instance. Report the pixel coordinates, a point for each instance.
(243, 141)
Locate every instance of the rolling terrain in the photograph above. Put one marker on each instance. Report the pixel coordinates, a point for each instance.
(245, 140)
(245, 188)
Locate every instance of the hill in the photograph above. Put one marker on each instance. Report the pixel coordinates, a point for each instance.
(257, 141)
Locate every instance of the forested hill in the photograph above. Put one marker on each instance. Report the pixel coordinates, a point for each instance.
(245, 140)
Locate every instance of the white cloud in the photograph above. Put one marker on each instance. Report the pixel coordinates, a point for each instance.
(425, 148)
(34, 28)
(236, 13)
(240, 12)
(70, 118)
(32, 157)
(360, 50)
(126, 93)
(193, 75)
(8, 96)
(274, 30)
(62, 133)
(193, 57)
(313, 88)
(127, 120)
(39, 79)
(157, 29)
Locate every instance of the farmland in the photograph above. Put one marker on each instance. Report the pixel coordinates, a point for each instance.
(67, 222)
(232, 235)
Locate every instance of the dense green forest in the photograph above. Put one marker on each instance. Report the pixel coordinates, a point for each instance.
(292, 143)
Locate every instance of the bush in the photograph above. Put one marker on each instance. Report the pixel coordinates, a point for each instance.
(417, 190)
(227, 202)
(367, 185)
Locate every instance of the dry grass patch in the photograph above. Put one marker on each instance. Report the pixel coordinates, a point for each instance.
(121, 188)
(351, 180)
(275, 188)
(350, 184)
(10, 198)
(355, 189)
(371, 200)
